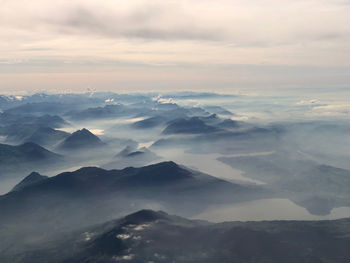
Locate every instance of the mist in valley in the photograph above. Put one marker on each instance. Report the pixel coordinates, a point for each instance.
(203, 156)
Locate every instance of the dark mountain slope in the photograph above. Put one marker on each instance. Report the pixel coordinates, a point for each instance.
(47, 136)
(108, 111)
(81, 139)
(25, 158)
(148, 236)
(193, 125)
(91, 195)
(53, 121)
(31, 179)
(42, 135)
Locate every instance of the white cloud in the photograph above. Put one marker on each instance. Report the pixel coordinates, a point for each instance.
(123, 236)
(340, 110)
(308, 102)
(161, 100)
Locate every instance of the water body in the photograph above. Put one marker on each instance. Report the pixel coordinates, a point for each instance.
(266, 209)
(208, 163)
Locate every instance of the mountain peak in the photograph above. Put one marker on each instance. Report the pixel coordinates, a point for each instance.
(32, 178)
(83, 132)
(160, 173)
(144, 216)
(81, 139)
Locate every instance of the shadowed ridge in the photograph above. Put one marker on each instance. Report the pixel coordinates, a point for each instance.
(31, 179)
(163, 165)
(30, 150)
(163, 172)
(193, 125)
(88, 173)
(145, 216)
(89, 169)
(31, 146)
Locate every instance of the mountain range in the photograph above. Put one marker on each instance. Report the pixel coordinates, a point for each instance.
(149, 236)
(24, 158)
(92, 195)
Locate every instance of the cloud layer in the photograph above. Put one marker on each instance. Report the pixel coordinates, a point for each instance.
(169, 33)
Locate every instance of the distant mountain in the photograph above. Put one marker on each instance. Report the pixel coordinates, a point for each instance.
(218, 110)
(15, 160)
(31, 179)
(169, 175)
(229, 124)
(212, 119)
(108, 111)
(53, 121)
(132, 156)
(193, 125)
(149, 236)
(47, 136)
(81, 139)
(42, 135)
(171, 116)
(39, 108)
(18, 133)
(149, 122)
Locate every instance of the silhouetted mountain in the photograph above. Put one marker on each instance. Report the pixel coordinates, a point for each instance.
(33, 178)
(42, 135)
(193, 125)
(81, 139)
(47, 136)
(53, 121)
(218, 110)
(25, 158)
(224, 141)
(148, 236)
(18, 133)
(108, 111)
(170, 116)
(39, 108)
(91, 195)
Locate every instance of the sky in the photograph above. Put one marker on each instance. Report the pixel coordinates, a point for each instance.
(138, 45)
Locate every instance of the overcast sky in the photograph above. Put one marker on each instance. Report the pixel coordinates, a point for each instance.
(173, 45)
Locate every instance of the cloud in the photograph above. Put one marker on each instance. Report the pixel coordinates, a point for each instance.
(336, 107)
(308, 102)
(339, 110)
(150, 40)
(241, 23)
(161, 100)
(150, 23)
